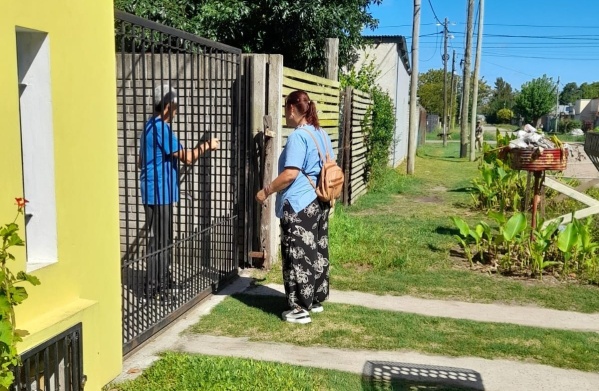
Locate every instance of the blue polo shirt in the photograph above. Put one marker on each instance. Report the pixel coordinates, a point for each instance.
(300, 152)
(159, 178)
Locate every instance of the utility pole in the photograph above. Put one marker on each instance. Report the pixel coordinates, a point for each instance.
(451, 96)
(445, 58)
(414, 115)
(466, 84)
(479, 44)
(556, 104)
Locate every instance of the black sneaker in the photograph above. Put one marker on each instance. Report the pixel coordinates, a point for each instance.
(297, 316)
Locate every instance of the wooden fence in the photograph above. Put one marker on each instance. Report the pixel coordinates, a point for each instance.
(357, 115)
(324, 92)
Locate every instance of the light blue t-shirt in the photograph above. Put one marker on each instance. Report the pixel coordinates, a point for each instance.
(300, 152)
(159, 178)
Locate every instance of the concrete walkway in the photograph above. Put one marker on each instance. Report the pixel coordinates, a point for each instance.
(498, 313)
(496, 374)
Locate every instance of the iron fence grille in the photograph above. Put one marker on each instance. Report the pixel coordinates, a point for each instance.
(167, 267)
(55, 365)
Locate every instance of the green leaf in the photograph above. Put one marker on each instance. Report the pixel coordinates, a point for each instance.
(462, 226)
(497, 216)
(6, 332)
(547, 232)
(567, 239)
(33, 280)
(18, 294)
(514, 226)
(8, 230)
(5, 305)
(15, 240)
(502, 173)
(475, 235)
(480, 230)
(486, 229)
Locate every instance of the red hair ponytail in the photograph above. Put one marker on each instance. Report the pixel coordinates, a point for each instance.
(304, 106)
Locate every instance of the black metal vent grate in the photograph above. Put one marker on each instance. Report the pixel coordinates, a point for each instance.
(55, 365)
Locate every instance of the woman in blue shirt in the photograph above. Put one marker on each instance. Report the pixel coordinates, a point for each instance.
(159, 155)
(304, 219)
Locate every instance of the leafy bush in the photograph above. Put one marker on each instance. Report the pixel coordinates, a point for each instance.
(498, 187)
(11, 295)
(516, 247)
(566, 125)
(504, 116)
(378, 132)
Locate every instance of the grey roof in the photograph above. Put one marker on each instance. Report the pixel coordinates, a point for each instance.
(400, 40)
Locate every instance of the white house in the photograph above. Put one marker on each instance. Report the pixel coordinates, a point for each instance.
(390, 55)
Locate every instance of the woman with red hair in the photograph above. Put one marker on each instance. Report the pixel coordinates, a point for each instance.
(304, 219)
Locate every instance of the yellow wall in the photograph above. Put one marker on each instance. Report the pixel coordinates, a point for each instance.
(84, 285)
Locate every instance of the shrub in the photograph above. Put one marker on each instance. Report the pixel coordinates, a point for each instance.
(567, 125)
(380, 131)
(505, 116)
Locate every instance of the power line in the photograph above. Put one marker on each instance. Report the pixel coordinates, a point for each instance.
(540, 26)
(436, 45)
(404, 25)
(509, 69)
(542, 58)
(434, 13)
(561, 37)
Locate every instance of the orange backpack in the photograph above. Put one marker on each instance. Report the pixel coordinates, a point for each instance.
(330, 179)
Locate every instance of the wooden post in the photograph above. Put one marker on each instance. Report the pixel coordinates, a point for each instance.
(347, 142)
(479, 40)
(414, 117)
(267, 161)
(331, 55)
(274, 111)
(466, 87)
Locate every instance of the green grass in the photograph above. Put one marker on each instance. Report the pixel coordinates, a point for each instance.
(398, 239)
(506, 126)
(354, 327)
(570, 138)
(186, 372)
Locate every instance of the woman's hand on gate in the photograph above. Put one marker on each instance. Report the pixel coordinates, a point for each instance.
(261, 196)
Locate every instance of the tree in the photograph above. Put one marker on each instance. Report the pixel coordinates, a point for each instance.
(430, 93)
(502, 97)
(589, 91)
(570, 94)
(504, 116)
(536, 98)
(297, 29)
(430, 90)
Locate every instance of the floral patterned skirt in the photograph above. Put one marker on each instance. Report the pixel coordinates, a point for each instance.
(305, 252)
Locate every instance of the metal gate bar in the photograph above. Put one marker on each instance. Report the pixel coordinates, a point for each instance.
(202, 252)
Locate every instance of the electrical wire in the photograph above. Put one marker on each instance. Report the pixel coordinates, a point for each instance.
(434, 13)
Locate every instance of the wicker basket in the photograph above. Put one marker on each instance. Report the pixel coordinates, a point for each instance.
(529, 160)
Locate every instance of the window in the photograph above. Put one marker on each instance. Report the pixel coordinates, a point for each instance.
(37, 143)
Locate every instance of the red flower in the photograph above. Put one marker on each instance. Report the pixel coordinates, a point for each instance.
(21, 202)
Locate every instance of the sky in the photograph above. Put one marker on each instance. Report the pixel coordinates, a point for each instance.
(522, 39)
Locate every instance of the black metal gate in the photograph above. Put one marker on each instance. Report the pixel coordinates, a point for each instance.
(202, 250)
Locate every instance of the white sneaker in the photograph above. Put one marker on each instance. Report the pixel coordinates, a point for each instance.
(316, 308)
(297, 316)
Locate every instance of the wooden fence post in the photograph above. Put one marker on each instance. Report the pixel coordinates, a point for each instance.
(265, 114)
(347, 142)
(274, 110)
(331, 55)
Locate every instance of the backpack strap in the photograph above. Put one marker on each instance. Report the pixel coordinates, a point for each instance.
(322, 158)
